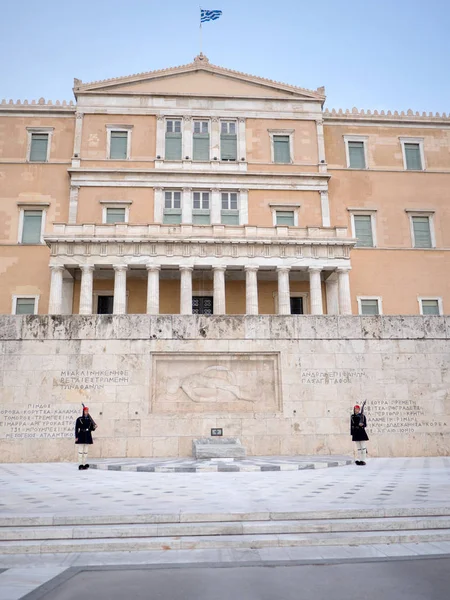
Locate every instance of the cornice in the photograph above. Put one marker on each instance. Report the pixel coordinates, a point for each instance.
(385, 116)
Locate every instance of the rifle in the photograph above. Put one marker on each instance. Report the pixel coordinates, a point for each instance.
(361, 414)
(94, 424)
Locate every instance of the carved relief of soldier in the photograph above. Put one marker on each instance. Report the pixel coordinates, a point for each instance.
(84, 426)
(358, 424)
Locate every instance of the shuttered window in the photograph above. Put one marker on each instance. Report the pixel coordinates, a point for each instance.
(172, 207)
(228, 141)
(430, 307)
(201, 141)
(32, 225)
(281, 149)
(356, 155)
(115, 215)
(363, 230)
(173, 140)
(25, 306)
(201, 206)
(118, 148)
(422, 232)
(370, 307)
(412, 157)
(230, 212)
(39, 147)
(285, 217)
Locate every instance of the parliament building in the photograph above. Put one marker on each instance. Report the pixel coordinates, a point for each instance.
(199, 190)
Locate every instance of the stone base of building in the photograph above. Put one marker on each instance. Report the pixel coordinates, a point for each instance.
(284, 385)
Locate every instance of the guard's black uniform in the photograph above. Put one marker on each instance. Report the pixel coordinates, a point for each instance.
(357, 432)
(83, 427)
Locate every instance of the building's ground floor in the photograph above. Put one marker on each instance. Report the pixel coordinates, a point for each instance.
(283, 385)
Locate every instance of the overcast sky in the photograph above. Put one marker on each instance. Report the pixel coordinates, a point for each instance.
(382, 54)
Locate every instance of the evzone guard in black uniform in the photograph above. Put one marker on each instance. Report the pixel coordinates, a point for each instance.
(358, 424)
(84, 426)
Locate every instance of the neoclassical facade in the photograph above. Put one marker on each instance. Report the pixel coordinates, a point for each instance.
(198, 189)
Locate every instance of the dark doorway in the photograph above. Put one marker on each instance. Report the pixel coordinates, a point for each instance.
(296, 306)
(202, 305)
(105, 305)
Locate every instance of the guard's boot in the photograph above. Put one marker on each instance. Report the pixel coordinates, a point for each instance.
(362, 463)
(87, 466)
(80, 467)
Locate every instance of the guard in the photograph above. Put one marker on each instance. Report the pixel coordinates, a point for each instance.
(84, 426)
(358, 424)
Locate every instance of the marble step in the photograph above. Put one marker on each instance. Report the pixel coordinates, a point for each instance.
(272, 527)
(181, 517)
(355, 538)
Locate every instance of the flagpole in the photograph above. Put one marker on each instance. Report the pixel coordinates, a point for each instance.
(201, 29)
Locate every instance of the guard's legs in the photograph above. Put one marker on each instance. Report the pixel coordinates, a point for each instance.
(85, 453)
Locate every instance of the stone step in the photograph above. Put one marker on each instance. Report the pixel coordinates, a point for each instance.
(181, 517)
(225, 541)
(271, 527)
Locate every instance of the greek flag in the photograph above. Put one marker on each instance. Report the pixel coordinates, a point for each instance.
(209, 15)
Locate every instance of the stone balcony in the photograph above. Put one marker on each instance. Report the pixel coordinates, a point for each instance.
(244, 233)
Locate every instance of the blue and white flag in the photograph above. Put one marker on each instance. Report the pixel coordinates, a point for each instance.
(209, 15)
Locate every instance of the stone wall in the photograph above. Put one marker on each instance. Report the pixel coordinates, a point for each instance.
(283, 385)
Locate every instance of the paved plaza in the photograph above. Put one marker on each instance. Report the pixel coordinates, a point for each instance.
(44, 493)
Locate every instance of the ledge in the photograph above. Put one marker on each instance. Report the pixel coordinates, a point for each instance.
(227, 327)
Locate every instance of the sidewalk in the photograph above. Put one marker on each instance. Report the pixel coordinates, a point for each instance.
(43, 492)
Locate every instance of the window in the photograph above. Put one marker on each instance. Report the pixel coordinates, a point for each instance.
(285, 217)
(118, 148)
(230, 211)
(200, 149)
(430, 306)
(363, 231)
(281, 149)
(202, 305)
(31, 227)
(25, 305)
(413, 156)
(228, 141)
(200, 212)
(421, 232)
(39, 143)
(356, 151)
(173, 140)
(105, 305)
(39, 147)
(296, 305)
(115, 215)
(369, 306)
(172, 208)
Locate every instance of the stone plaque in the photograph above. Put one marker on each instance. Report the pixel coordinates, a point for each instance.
(216, 382)
(38, 421)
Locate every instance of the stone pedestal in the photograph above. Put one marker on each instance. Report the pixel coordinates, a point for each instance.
(218, 448)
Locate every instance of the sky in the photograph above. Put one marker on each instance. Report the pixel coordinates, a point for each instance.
(382, 54)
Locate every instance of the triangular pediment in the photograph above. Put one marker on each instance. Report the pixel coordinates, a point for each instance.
(199, 78)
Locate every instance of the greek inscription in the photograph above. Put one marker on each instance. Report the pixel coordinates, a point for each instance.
(318, 376)
(38, 421)
(400, 416)
(92, 380)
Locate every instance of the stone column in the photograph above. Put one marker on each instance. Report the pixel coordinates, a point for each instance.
(251, 290)
(315, 290)
(321, 146)
(158, 202)
(325, 208)
(219, 290)
(216, 207)
(56, 283)
(120, 289)
(87, 280)
(284, 297)
(215, 138)
(160, 137)
(243, 207)
(186, 290)
(242, 150)
(345, 301)
(153, 289)
(77, 139)
(332, 291)
(73, 203)
(186, 206)
(187, 145)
